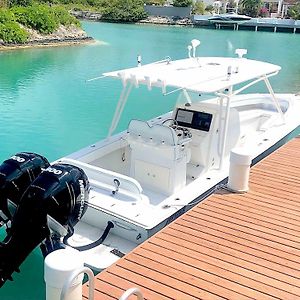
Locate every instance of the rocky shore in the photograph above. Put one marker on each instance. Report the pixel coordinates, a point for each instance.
(69, 35)
(94, 16)
(73, 35)
(86, 15)
(167, 21)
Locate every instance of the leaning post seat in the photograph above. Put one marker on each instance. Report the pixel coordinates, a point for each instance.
(158, 157)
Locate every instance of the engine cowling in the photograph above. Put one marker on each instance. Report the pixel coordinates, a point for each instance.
(61, 192)
(16, 174)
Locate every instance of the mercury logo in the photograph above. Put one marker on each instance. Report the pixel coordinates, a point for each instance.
(82, 198)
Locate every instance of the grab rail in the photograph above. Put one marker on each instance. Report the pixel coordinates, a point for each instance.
(68, 283)
(132, 184)
(130, 292)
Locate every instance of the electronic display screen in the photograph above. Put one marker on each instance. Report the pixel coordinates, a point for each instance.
(193, 119)
(184, 116)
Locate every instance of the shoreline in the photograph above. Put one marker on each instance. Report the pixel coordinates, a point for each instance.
(73, 36)
(63, 36)
(48, 43)
(151, 20)
(168, 21)
(255, 24)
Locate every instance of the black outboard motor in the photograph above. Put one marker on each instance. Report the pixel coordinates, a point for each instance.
(61, 191)
(16, 174)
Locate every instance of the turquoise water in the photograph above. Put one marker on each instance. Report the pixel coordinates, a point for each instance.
(48, 107)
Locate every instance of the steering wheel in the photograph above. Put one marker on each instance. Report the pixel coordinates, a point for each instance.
(173, 123)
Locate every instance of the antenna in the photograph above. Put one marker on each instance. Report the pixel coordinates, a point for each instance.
(195, 43)
(189, 49)
(139, 60)
(241, 52)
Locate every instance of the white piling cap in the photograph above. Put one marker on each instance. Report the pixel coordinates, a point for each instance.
(60, 264)
(240, 156)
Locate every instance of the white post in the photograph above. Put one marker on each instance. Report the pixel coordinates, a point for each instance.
(58, 267)
(236, 6)
(279, 8)
(224, 133)
(121, 104)
(239, 170)
(187, 96)
(220, 138)
(276, 103)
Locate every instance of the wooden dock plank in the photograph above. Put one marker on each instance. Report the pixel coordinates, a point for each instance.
(212, 252)
(245, 233)
(277, 203)
(261, 226)
(152, 280)
(255, 205)
(124, 284)
(225, 248)
(217, 268)
(188, 273)
(241, 239)
(230, 246)
(244, 247)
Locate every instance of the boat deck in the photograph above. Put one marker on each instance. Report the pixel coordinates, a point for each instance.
(234, 246)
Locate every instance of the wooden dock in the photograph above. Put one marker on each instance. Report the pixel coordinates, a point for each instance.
(255, 24)
(233, 246)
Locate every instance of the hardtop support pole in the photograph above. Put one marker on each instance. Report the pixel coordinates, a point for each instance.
(120, 107)
(224, 132)
(221, 97)
(187, 96)
(276, 103)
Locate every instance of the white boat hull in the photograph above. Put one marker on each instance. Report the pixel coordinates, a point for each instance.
(129, 230)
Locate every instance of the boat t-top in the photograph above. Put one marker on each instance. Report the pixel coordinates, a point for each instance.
(109, 197)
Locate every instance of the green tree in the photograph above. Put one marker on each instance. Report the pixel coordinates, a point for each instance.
(19, 2)
(6, 16)
(38, 17)
(124, 10)
(155, 2)
(63, 17)
(199, 8)
(182, 3)
(251, 7)
(209, 8)
(11, 32)
(294, 11)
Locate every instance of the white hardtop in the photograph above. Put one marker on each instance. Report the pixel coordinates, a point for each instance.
(197, 74)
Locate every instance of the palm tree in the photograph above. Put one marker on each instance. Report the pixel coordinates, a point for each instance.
(251, 7)
(294, 11)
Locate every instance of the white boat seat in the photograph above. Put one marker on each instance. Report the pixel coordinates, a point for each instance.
(159, 134)
(158, 159)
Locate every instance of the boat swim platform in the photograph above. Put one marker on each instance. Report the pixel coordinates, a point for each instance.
(233, 246)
